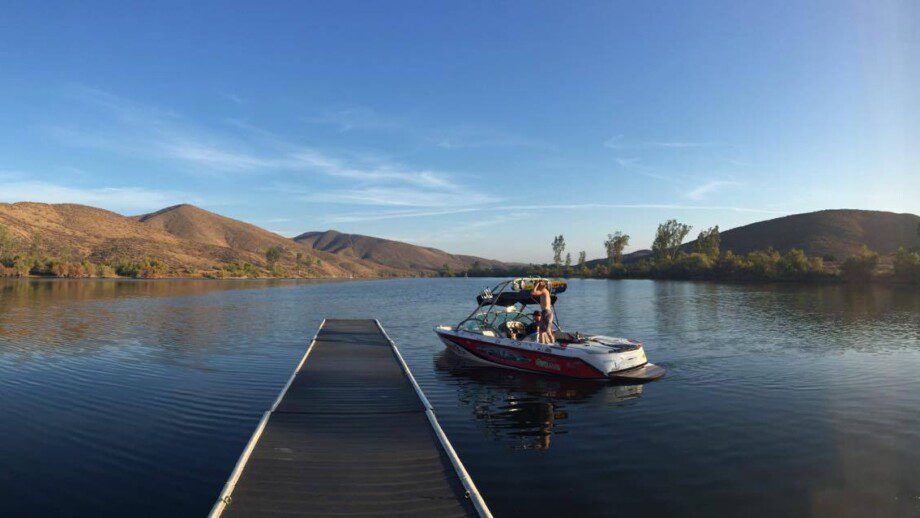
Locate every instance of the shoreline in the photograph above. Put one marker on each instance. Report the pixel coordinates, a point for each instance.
(881, 280)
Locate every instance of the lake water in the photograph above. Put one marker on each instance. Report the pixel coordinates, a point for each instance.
(137, 397)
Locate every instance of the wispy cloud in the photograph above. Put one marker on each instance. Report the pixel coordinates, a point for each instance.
(415, 213)
(454, 137)
(235, 99)
(477, 137)
(400, 197)
(679, 145)
(366, 216)
(358, 118)
(140, 131)
(620, 142)
(635, 165)
(701, 191)
(471, 230)
(128, 199)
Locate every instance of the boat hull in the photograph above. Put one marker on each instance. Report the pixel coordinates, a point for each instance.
(490, 353)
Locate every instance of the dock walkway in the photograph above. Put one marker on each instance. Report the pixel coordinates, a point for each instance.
(350, 434)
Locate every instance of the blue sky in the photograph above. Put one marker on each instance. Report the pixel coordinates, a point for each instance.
(475, 127)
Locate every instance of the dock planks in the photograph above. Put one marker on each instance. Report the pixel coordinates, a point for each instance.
(351, 434)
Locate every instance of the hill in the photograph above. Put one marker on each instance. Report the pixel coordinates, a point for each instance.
(394, 254)
(194, 224)
(80, 231)
(186, 239)
(838, 233)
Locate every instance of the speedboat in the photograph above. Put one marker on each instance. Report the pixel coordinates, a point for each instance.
(496, 334)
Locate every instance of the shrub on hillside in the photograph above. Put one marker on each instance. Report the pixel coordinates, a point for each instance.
(240, 270)
(23, 265)
(67, 269)
(616, 270)
(104, 270)
(730, 266)
(599, 270)
(859, 267)
(907, 265)
(7, 271)
(696, 265)
(794, 265)
(145, 269)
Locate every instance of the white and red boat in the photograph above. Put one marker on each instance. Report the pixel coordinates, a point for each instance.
(496, 334)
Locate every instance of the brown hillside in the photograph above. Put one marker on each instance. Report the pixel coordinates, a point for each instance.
(395, 254)
(80, 231)
(839, 233)
(198, 225)
(187, 239)
(194, 224)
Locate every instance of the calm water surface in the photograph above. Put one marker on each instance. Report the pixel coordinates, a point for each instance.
(121, 397)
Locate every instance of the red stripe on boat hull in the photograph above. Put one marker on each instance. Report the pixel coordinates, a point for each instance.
(526, 360)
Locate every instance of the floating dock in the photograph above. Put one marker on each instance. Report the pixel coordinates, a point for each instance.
(350, 434)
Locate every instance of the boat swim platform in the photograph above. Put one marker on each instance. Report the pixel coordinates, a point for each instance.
(350, 434)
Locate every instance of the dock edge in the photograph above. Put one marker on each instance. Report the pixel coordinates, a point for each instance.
(472, 492)
(224, 498)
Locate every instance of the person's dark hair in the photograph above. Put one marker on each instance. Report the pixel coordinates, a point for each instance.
(538, 313)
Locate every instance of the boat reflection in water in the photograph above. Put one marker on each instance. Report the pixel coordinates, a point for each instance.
(522, 408)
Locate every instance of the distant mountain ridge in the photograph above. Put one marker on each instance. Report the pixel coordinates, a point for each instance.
(396, 254)
(838, 233)
(835, 232)
(192, 241)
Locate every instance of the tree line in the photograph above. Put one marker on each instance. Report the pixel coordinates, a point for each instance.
(670, 258)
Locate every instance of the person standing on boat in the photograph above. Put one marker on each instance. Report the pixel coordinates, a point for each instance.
(542, 293)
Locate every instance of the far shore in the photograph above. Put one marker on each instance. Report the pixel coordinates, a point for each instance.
(881, 279)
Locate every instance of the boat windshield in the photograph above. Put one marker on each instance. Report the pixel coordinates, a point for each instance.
(498, 320)
(502, 310)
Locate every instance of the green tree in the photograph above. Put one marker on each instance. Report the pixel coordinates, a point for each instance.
(568, 259)
(707, 242)
(273, 255)
(668, 238)
(614, 245)
(558, 248)
(859, 267)
(794, 265)
(582, 259)
(763, 264)
(907, 265)
(446, 271)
